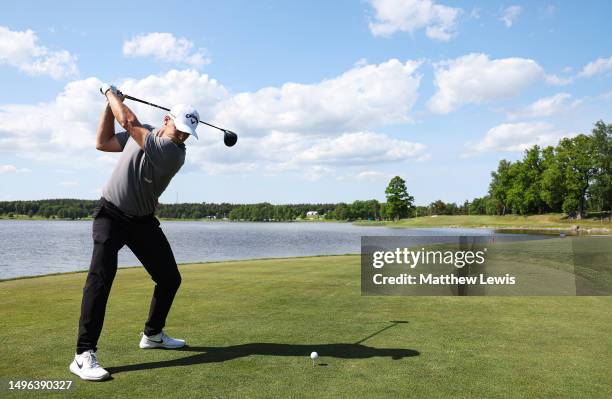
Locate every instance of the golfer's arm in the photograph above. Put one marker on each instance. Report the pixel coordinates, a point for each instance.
(126, 118)
(105, 136)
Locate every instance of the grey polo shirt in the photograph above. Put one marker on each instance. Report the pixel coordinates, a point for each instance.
(142, 175)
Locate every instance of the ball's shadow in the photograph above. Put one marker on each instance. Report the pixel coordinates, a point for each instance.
(215, 354)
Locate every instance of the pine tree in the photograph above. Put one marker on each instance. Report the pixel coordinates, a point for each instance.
(399, 201)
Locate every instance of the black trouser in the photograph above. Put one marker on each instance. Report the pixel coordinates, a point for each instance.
(111, 231)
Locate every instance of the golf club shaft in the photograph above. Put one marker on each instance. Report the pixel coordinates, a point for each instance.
(145, 102)
(166, 109)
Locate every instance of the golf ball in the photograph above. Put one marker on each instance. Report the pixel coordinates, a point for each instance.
(314, 355)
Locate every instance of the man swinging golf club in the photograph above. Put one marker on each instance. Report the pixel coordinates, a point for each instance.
(150, 158)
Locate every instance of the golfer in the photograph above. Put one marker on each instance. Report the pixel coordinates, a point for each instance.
(150, 158)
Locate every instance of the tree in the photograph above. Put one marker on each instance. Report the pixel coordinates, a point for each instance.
(577, 157)
(417, 211)
(500, 186)
(367, 210)
(478, 206)
(437, 208)
(553, 188)
(399, 201)
(342, 211)
(514, 196)
(465, 208)
(532, 180)
(521, 191)
(602, 186)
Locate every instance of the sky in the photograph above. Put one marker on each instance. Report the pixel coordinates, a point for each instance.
(330, 99)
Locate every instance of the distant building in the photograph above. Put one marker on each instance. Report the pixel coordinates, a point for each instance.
(312, 214)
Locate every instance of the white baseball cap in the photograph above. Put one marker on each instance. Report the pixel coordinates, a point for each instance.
(185, 118)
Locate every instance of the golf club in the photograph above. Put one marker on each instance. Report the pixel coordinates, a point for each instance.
(229, 138)
(393, 324)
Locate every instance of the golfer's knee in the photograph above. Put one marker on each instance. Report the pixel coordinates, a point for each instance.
(177, 281)
(167, 277)
(172, 282)
(98, 280)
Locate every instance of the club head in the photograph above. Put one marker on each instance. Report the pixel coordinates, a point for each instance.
(229, 138)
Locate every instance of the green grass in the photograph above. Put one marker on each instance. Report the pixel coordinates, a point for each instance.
(508, 221)
(252, 324)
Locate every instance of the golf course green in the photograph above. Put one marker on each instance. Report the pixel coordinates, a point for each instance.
(251, 326)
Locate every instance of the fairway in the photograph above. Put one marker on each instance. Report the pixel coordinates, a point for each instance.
(251, 326)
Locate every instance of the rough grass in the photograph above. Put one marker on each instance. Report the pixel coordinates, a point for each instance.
(252, 324)
(507, 221)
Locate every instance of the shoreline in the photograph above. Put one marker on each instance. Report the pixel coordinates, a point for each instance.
(3, 280)
(589, 228)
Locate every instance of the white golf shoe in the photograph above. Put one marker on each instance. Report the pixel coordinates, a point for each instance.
(160, 340)
(87, 367)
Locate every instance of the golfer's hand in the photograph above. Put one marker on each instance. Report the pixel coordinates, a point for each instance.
(105, 88)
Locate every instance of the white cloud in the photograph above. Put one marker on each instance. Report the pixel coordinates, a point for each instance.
(363, 97)
(514, 137)
(556, 80)
(439, 21)
(12, 169)
(62, 131)
(371, 175)
(361, 63)
(21, 50)
(510, 14)
(361, 148)
(599, 66)
(317, 172)
(547, 106)
(474, 78)
(367, 176)
(309, 130)
(174, 87)
(52, 130)
(291, 152)
(165, 47)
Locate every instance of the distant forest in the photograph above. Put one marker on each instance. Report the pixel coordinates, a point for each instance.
(78, 209)
(574, 177)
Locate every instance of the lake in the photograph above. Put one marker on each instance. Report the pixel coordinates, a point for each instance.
(33, 247)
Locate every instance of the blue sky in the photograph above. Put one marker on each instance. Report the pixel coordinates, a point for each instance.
(330, 99)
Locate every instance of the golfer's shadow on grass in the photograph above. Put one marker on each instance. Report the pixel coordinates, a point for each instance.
(215, 354)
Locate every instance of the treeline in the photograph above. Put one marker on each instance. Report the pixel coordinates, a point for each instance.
(53, 208)
(358, 210)
(440, 207)
(78, 209)
(196, 211)
(268, 212)
(574, 177)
